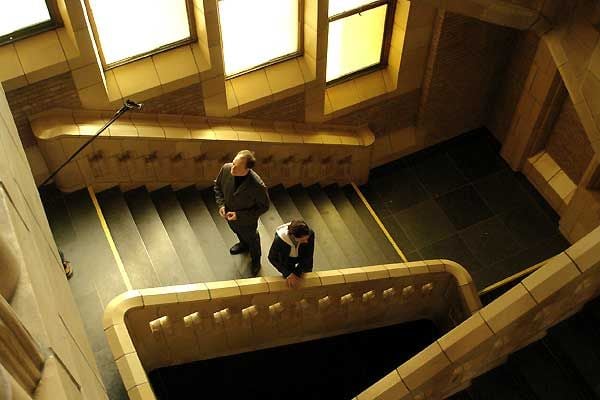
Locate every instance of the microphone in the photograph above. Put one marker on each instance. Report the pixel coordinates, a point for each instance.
(132, 105)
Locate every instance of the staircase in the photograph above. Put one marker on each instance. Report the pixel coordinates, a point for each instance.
(562, 365)
(168, 237)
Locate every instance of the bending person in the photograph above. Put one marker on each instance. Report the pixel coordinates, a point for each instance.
(292, 251)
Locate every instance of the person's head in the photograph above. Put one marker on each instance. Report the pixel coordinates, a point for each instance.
(242, 163)
(299, 230)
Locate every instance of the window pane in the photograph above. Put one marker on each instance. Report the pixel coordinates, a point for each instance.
(133, 27)
(255, 32)
(339, 6)
(19, 14)
(355, 42)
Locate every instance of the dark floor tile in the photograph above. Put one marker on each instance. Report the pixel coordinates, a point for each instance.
(464, 207)
(452, 248)
(502, 191)
(437, 173)
(377, 203)
(484, 277)
(399, 190)
(537, 198)
(490, 241)
(476, 156)
(398, 234)
(529, 224)
(425, 223)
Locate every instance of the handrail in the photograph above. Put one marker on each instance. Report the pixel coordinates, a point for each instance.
(158, 327)
(522, 315)
(379, 223)
(128, 105)
(508, 280)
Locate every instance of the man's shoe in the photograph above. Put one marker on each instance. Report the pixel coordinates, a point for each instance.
(255, 268)
(238, 248)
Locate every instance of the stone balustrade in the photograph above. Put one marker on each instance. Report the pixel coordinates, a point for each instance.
(158, 327)
(157, 150)
(521, 316)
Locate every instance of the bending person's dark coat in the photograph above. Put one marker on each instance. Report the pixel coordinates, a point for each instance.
(288, 259)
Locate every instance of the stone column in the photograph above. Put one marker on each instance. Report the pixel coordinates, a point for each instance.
(9, 247)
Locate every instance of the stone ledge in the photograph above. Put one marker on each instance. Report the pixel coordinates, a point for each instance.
(60, 123)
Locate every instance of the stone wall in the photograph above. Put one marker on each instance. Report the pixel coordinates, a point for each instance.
(568, 144)
(288, 109)
(513, 81)
(58, 91)
(184, 101)
(469, 56)
(42, 299)
(395, 113)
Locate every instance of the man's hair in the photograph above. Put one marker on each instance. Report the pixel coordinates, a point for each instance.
(248, 156)
(298, 229)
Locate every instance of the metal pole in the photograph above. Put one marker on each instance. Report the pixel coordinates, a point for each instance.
(128, 105)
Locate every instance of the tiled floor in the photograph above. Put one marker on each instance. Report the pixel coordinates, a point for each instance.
(459, 200)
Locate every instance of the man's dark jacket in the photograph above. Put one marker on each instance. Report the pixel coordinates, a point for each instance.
(279, 256)
(249, 201)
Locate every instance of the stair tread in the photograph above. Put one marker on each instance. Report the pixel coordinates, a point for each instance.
(338, 228)
(207, 234)
(382, 241)
(312, 217)
(355, 224)
(128, 241)
(182, 236)
(92, 249)
(288, 211)
(158, 244)
(208, 195)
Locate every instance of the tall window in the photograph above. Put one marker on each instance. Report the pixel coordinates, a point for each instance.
(258, 32)
(22, 18)
(358, 30)
(132, 29)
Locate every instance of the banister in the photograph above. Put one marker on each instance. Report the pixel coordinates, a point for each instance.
(152, 328)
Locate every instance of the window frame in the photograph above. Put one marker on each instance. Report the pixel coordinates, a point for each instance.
(189, 5)
(298, 53)
(385, 42)
(23, 33)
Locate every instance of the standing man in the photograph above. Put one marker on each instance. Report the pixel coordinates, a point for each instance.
(242, 197)
(292, 251)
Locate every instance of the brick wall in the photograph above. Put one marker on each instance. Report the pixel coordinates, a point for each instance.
(470, 56)
(187, 100)
(288, 109)
(58, 91)
(568, 143)
(513, 82)
(395, 113)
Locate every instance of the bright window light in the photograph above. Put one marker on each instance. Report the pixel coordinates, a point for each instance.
(133, 28)
(340, 6)
(255, 32)
(22, 14)
(355, 42)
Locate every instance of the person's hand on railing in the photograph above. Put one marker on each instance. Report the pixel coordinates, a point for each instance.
(293, 281)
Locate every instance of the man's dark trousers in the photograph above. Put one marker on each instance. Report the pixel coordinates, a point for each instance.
(248, 237)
